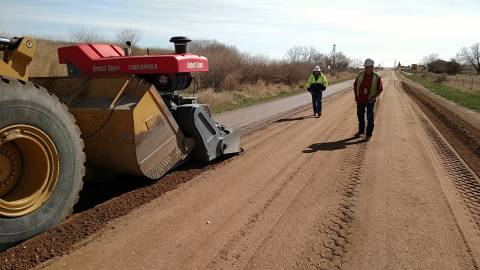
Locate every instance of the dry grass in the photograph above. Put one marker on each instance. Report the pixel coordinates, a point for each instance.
(209, 96)
(467, 82)
(462, 82)
(239, 95)
(45, 63)
(253, 93)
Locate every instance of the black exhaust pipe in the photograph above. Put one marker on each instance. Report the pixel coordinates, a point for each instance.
(180, 44)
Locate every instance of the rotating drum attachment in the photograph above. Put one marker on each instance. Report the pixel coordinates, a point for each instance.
(212, 139)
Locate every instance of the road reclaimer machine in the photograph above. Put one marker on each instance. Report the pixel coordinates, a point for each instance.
(114, 112)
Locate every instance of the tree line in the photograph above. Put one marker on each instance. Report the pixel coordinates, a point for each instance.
(468, 56)
(228, 66)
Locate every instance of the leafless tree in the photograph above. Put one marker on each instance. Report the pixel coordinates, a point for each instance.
(471, 56)
(356, 63)
(293, 54)
(84, 36)
(453, 67)
(302, 55)
(429, 60)
(129, 34)
(340, 60)
(225, 62)
(321, 60)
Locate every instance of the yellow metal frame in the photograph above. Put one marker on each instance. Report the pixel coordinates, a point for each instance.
(18, 60)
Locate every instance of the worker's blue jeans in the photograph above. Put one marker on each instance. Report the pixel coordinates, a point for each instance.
(317, 101)
(370, 107)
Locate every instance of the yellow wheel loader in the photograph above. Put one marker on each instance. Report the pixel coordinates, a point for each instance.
(113, 112)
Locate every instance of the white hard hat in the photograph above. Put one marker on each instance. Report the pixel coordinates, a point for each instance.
(316, 68)
(368, 63)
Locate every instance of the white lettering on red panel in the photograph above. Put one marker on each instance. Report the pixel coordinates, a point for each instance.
(106, 68)
(194, 65)
(143, 67)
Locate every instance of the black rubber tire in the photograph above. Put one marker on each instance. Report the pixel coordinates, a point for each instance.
(25, 103)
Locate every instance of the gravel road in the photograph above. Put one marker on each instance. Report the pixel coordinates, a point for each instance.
(305, 194)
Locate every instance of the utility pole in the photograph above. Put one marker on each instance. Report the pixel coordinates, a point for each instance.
(334, 59)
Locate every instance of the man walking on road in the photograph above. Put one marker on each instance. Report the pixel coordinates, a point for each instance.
(316, 84)
(367, 87)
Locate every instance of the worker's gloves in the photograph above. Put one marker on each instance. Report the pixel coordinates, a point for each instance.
(317, 87)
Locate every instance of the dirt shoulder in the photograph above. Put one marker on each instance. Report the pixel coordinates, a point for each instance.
(460, 126)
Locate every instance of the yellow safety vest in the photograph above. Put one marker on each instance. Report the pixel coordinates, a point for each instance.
(321, 79)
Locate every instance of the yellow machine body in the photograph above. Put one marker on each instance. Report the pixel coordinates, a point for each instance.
(16, 62)
(125, 124)
(132, 124)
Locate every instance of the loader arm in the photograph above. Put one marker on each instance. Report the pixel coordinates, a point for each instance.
(17, 55)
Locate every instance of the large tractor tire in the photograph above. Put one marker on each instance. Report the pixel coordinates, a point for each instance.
(41, 161)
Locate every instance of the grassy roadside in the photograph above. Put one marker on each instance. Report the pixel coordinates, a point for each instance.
(462, 97)
(241, 101)
(253, 94)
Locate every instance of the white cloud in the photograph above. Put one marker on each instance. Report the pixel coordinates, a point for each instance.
(407, 29)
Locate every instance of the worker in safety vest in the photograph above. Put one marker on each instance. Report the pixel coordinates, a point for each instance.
(316, 84)
(367, 87)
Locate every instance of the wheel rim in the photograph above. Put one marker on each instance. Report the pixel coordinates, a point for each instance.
(29, 169)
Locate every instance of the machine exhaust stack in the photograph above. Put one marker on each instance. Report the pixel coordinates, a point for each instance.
(180, 44)
(128, 50)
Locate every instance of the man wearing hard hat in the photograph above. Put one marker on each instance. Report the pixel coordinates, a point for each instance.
(316, 84)
(367, 87)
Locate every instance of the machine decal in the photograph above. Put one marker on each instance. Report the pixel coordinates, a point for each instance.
(194, 65)
(143, 67)
(106, 68)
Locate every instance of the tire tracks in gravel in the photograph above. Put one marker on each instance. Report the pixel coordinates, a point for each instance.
(330, 244)
(224, 252)
(68, 235)
(228, 254)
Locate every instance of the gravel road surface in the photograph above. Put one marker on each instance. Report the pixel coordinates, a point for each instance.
(305, 194)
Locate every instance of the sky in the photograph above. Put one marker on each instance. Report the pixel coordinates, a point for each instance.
(386, 31)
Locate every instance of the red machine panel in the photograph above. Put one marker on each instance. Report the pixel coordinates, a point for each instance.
(105, 60)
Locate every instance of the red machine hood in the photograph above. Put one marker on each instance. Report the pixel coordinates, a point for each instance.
(109, 60)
